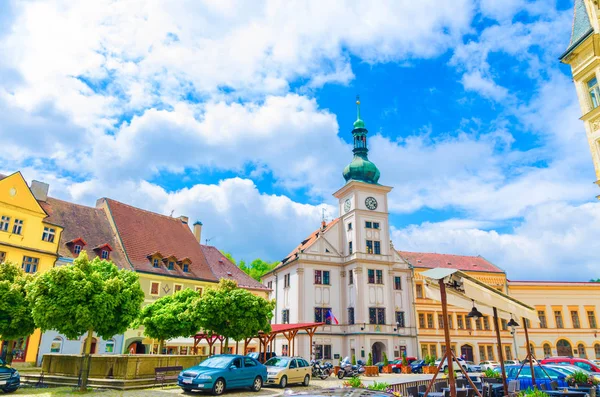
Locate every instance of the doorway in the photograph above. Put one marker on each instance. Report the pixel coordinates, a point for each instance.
(137, 348)
(467, 352)
(563, 348)
(377, 352)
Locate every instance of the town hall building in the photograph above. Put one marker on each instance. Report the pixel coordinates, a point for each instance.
(348, 275)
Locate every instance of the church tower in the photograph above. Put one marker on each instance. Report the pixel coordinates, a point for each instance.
(363, 203)
(583, 55)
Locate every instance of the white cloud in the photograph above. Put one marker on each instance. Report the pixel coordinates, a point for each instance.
(552, 243)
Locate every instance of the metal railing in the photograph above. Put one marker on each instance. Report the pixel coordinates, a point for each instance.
(402, 387)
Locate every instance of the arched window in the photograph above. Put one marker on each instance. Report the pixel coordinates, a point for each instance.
(56, 345)
(597, 350)
(532, 349)
(581, 351)
(563, 348)
(547, 350)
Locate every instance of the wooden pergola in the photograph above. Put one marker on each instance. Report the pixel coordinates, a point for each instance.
(265, 339)
(454, 287)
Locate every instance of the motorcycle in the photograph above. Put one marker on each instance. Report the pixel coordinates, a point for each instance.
(347, 369)
(320, 370)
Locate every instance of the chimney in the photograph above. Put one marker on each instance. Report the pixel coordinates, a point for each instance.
(40, 190)
(184, 219)
(198, 231)
(323, 225)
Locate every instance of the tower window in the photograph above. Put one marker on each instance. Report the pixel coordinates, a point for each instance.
(4, 223)
(369, 225)
(48, 234)
(18, 226)
(375, 225)
(377, 248)
(350, 248)
(594, 92)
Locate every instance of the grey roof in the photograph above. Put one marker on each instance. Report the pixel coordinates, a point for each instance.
(582, 27)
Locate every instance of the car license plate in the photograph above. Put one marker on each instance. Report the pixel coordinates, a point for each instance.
(2, 382)
(200, 386)
(186, 381)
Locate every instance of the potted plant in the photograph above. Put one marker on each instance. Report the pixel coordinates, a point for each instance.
(387, 368)
(490, 375)
(580, 378)
(370, 369)
(406, 369)
(431, 367)
(532, 393)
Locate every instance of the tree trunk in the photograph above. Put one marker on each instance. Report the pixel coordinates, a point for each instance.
(226, 345)
(86, 361)
(161, 345)
(9, 351)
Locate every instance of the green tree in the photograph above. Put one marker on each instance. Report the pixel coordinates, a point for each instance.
(169, 317)
(233, 312)
(370, 360)
(15, 312)
(595, 280)
(88, 296)
(256, 269)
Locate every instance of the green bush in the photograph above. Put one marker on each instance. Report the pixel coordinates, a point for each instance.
(490, 373)
(354, 359)
(378, 386)
(370, 359)
(386, 362)
(532, 393)
(355, 382)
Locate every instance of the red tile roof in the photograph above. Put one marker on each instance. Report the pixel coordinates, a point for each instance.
(143, 233)
(221, 267)
(460, 262)
(88, 223)
(306, 243)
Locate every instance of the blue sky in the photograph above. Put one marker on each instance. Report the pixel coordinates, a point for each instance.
(240, 116)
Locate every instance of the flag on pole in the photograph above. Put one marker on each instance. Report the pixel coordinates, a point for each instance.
(332, 318)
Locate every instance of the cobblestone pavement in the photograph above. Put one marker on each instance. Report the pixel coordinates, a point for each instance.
(176, 391)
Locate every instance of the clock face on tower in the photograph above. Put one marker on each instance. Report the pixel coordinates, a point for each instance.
(347, 205)
(371, 203)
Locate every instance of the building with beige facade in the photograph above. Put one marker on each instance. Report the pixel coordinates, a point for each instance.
(568, 318)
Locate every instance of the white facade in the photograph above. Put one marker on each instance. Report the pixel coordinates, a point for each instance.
(362, 280)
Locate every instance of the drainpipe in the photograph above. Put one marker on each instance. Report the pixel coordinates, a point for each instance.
(276, 300)
(413, 313)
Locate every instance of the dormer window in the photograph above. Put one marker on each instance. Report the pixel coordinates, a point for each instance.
(76, 245)
(185, 264)
(155, 259)
(171, 265)
(103, 251)
(155, 262)
(186, 268)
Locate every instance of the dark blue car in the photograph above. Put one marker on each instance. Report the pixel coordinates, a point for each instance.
(9, 378)
(225, 371)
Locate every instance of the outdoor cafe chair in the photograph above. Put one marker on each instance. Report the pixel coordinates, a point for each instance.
(461, 383)
(513, 387)
(461, 393)
(412, 391)
(543, 386)
(422, 388)
(554, 385)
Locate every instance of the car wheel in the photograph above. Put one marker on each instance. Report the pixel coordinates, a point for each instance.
(257, 384)
(306, 380)
(283, 382)
(218, 387)
(187, 390)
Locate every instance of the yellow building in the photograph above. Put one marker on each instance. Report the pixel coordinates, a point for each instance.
(583, 55)
(568, 318)
(26, 238)
(475, 340)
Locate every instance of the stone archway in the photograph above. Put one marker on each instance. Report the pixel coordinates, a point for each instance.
(136, 347)
(564, 348)
(377, 351)
(467, 352)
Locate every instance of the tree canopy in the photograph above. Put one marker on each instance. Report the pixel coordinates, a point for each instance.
(170, 316)
(86, 296)
(233, 312)
(595, 280)
(16, 320)
(256, 269)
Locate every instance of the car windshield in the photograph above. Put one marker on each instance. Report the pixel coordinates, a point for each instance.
(216, 362)
(280, 362)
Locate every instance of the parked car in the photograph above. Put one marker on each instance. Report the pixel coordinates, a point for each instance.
(578, 362)
(262, 357)
(285, 370)
(10, 380)
(485, 365)
(512, 370)
(571, 369)
(456, 367)
(512, 362)
(221, 372)
(396, 365)
(472, 367)
(417, 366)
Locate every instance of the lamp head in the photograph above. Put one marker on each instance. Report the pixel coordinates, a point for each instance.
(474, 313)
(512, 323)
